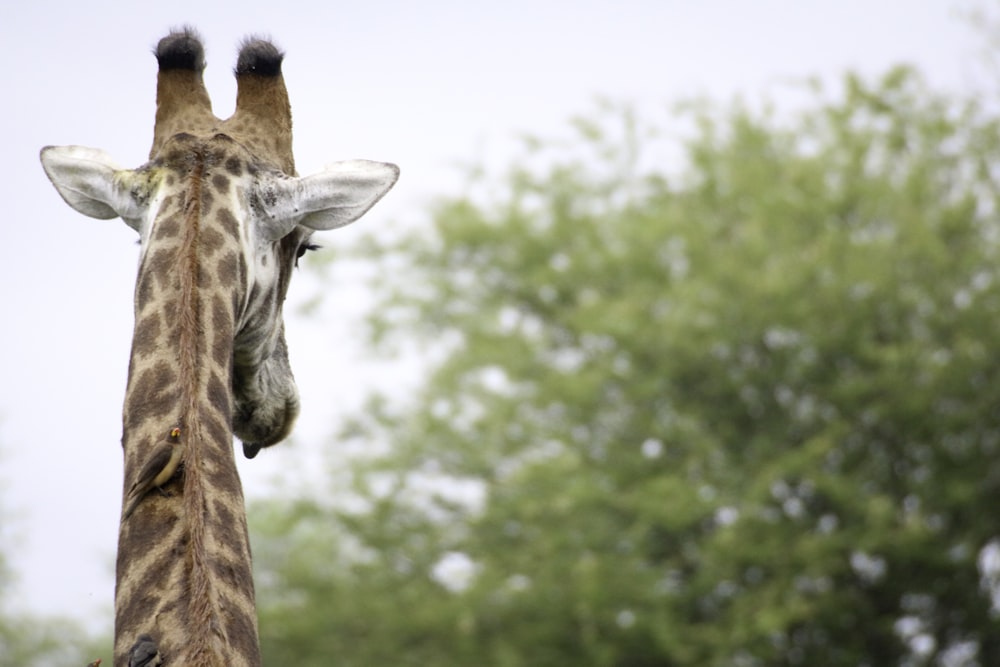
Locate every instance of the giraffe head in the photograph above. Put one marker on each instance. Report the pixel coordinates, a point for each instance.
(219, 205)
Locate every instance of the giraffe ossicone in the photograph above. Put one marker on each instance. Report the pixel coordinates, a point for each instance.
(222, 217)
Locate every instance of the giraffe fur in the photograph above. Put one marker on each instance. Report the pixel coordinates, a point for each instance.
(222, 217)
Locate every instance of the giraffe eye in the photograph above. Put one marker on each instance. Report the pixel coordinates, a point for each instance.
(303, 249)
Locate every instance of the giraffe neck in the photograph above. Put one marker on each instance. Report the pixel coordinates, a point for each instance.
(183, 570)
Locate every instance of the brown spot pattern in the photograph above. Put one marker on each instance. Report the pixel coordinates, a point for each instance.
(147, 334)
(218, 431)
(144, 288)
(170, 311)
(168, 228)
(154, 393)
(230, 226)
(218, 395)
(222, 343)
(227, 269)
(204, 277)
(211, 240)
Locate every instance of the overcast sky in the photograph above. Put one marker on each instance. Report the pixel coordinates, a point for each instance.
(423, 84)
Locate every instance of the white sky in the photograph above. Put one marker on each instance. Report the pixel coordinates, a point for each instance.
(423, 84)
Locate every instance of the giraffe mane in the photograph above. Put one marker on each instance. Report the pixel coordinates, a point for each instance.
(203, 600)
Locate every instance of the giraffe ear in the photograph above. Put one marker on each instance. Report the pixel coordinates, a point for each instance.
(336, 196)
(91, 182)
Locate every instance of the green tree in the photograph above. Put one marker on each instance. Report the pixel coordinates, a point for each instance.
(742, 410)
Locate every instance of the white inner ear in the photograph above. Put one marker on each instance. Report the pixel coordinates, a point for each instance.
(91, 182)
(336, 196)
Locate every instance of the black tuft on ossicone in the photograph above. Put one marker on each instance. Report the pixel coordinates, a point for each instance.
(259, 56)
(181, 49)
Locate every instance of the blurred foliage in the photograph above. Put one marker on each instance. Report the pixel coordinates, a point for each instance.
(736, 408)
(39, 641)
(47, 642)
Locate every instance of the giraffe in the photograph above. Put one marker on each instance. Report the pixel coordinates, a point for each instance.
(222, 219)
